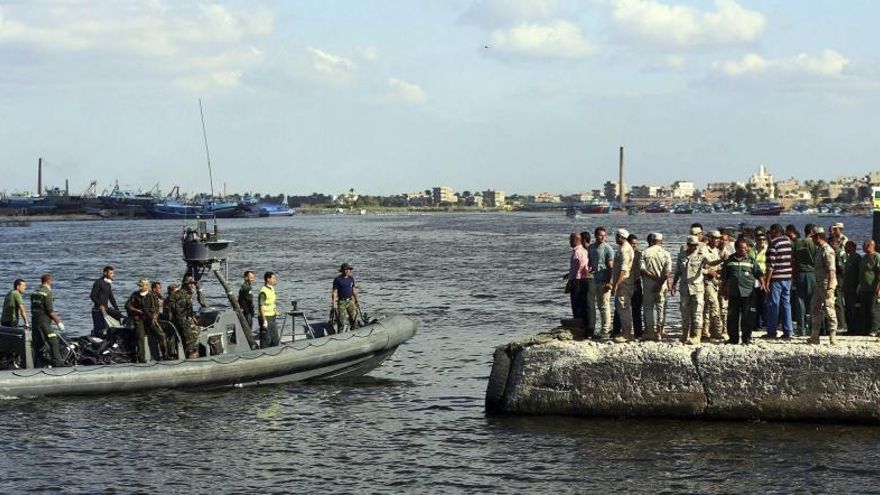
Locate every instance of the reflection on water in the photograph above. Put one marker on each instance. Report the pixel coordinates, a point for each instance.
(416, 424)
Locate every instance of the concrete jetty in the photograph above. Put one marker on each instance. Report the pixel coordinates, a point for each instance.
(556, 374)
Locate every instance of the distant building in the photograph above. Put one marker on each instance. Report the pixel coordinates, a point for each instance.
(683, 189)
(475, 200)
(643, 192)
(493, 199)
(718, 191)
(762, 182)
(611, 190)
(787, 189)
(546, 197)
(581, 197)
(874, 178)
(443, 195)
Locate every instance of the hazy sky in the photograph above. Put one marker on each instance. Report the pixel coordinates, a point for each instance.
(393, 96)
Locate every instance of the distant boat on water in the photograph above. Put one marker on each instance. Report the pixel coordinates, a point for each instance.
(656, 208)
(572, 212)
(595, 207)
(683, 209)
(766, 209)
(173, 209)
(274, 210)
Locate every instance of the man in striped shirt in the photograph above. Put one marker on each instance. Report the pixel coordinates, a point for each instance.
(777, 283)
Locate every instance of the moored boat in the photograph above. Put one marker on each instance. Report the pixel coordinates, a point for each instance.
(274, 210)
(766, 209)
(595, 207)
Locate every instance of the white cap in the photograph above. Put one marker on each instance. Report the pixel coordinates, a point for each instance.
(715, 233)
(623, 233)
(657, 236)
(838, 225)
(693, 240)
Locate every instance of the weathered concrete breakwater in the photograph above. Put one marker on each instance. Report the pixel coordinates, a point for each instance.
(555, 374)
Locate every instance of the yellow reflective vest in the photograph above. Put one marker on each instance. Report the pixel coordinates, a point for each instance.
(267, 301)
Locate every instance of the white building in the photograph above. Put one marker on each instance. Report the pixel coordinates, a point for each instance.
(443, 194)
(762, 181)
(493, 199)
(683, 189)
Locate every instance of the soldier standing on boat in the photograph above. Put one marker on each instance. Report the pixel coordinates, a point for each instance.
(180, 304)
(269, 336)
(153, 307)
(103, 299)
(167, 313)
(246, 297)
(43, 315)
(345, 298)
(137, 313)
(655, 267)
(13, 306)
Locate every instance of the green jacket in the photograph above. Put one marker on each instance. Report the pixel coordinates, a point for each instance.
(804, 256)
(181, 305)
(11, 308)
(739, 275)
(851, 274)
(136, 306)
(42, 302)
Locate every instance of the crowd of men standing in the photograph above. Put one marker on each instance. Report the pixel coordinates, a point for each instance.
(729, 285)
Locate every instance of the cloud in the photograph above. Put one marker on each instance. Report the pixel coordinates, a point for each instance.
(334, 67)
(495, 13)
(369, 53)
(681, 26)
(191, 46)
(405, 91)
(827, 64)
(559, 39)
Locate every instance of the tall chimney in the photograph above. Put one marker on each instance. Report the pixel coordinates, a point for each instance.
(67, 187)
(40, 177)
(620, 184)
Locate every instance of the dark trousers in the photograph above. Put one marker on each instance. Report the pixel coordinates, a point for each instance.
(806, 284)
(741, 313)
(869, 318)
(578, 294)
(590, 320)
(852, 313)
(269, 336)
(140, 354)
(839, 307)
(760, 298)
(45, 343)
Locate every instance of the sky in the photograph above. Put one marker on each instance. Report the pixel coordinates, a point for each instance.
(393, 96)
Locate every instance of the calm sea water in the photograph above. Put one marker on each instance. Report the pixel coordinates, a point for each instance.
(415, 425)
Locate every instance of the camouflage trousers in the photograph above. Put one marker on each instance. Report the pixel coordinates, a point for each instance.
(691, 316)
(161, 340)
(346, 314)
(189, 333)
(653, 308)
(711, 312)
(820, 305)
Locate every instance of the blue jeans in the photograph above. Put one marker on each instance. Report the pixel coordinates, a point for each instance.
(779, 307)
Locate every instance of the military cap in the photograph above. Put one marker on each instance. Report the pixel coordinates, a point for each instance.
(693, 240)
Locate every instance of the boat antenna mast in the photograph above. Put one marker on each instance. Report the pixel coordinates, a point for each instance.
(208, 157)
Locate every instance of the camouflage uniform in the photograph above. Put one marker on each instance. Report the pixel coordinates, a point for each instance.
(153, 307)
(823, 296)
(711, 305)
(180, 305)
(138, 316)
(689, 270)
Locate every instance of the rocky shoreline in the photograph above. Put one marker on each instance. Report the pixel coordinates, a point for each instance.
(557, 373)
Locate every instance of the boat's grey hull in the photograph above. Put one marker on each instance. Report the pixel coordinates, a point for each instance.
(347, 354)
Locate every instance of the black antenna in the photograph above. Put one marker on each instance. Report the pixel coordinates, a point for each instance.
(208, 156)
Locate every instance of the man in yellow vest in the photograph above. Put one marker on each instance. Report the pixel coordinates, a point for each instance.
(269, 336)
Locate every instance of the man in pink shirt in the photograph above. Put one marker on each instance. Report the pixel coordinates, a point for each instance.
(578, 271)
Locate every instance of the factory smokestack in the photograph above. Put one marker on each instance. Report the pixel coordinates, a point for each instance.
(620, 184)
(40, 177)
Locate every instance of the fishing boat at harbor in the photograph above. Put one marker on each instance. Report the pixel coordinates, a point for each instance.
(274, 210)
(656, 208)
(595, 207)
(228, 355)
(766, 209)
(683, 209)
